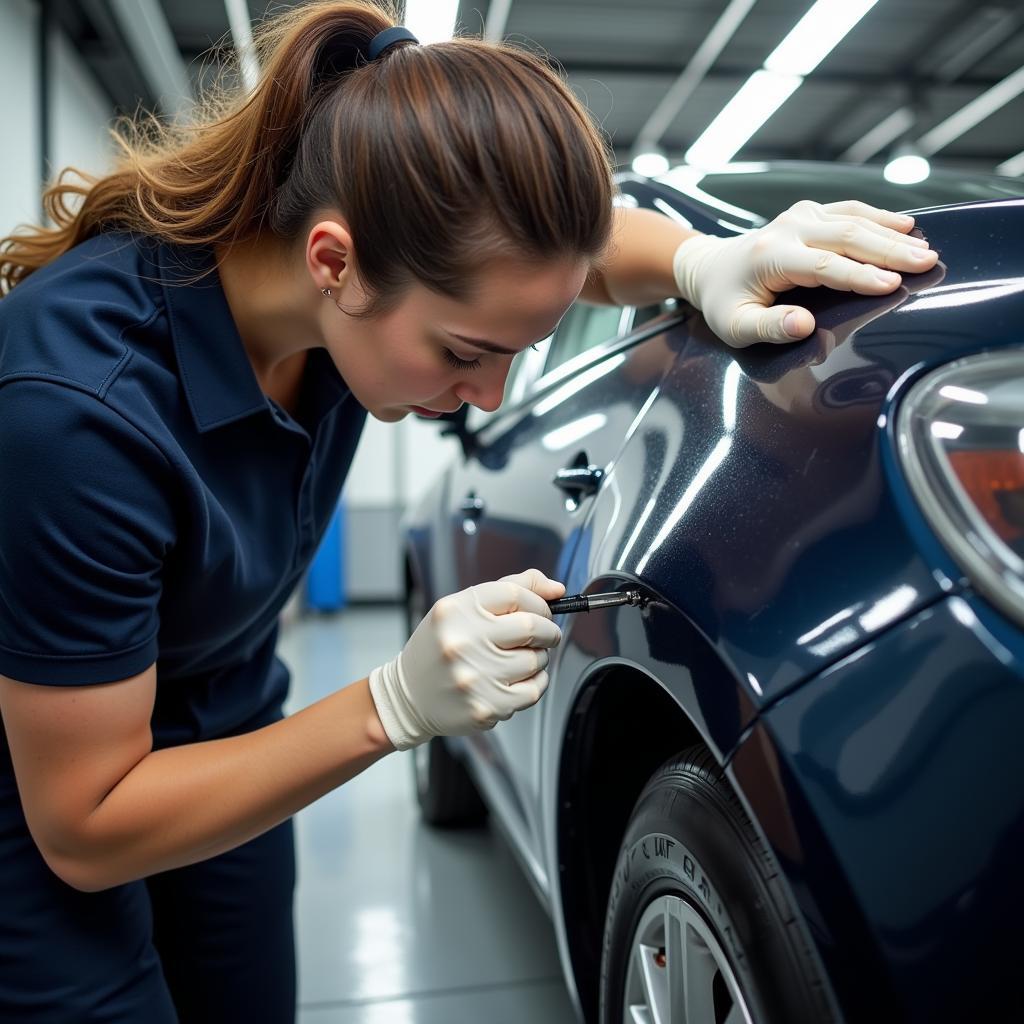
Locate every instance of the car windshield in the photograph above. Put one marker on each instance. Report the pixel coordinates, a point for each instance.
(767, 189)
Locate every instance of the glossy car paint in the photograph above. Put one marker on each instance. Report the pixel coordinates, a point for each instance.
(890, 790)
(526, 520)
(753, 495)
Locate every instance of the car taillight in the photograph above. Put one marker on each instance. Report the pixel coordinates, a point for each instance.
(960, 432)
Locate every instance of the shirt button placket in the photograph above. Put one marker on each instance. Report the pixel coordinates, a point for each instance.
(307, 525)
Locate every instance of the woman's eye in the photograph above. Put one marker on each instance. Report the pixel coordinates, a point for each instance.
(461, 364)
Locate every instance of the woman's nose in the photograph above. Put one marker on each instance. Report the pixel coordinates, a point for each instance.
(486, 392)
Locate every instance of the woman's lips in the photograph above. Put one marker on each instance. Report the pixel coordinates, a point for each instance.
(420, 411)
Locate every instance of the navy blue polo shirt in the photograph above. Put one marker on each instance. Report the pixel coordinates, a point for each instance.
(155, 504)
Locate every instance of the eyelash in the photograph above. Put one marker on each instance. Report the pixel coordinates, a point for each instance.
(461, 364)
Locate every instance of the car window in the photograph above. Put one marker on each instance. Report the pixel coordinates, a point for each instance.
(646, 313)
(582, 327)
(524, 368)
(578, 331)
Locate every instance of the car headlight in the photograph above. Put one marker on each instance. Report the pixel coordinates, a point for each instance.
(960, 433)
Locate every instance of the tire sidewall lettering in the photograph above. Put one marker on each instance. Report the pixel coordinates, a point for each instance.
(655, 858)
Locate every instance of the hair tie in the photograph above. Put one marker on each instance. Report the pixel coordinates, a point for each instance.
(341, 53)
(382, 40)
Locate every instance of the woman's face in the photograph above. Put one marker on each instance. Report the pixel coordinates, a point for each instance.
(431, 353)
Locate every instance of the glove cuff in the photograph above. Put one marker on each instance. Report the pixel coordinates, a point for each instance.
(688, 258)
(388, 698)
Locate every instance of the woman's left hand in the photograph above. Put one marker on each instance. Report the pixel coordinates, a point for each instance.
(849, 246)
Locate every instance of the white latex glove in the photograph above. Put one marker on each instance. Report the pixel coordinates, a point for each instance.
(734, 281)
(476, 658)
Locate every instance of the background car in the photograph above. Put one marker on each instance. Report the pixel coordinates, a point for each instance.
(790, 787)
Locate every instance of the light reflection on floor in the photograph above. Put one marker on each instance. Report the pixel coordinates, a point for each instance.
(397, 923)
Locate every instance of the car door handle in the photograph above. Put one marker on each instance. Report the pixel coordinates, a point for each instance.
(579, 481)
(472, 507)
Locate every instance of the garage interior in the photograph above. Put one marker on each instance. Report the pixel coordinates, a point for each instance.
(397, 922)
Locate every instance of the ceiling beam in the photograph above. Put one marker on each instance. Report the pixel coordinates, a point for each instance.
(734, 73)
(693, 74)
(887, 131)
(951, 49)
(144, 27)
(96, 37)
(624, 147)
(973, 113)
(980, 32)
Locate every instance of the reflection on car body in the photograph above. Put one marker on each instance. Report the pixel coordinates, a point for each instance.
(789, 787)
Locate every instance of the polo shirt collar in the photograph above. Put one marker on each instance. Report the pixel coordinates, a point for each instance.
(219, 382)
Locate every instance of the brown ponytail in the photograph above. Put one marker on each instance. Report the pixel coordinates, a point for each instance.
(440, 157)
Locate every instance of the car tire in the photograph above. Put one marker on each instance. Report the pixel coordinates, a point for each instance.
(697, 921)
(446, 793)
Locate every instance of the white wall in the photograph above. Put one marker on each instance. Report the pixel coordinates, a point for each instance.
(397, 462)
(394, 465)
(79, 113)
(19, 184)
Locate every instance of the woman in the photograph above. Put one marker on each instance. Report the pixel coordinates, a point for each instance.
(186, 360)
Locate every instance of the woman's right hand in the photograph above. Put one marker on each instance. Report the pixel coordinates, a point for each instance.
(476, 658)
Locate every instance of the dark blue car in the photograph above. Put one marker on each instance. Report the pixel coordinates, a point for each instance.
(790, 786)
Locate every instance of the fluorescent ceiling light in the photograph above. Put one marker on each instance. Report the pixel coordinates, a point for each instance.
(815, 35)
(907, 169)
(241, 36)
(651, 163)
(759, 97)
(958, 394)
(1013, 166)
(431, 21)
(949, 431)
(974, 113)
(896, 124)
(694, 72)
(741, 167)
(497, 20)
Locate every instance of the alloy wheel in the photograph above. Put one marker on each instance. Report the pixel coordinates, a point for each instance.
(678, 972)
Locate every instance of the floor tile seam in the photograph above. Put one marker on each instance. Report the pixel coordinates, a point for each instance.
(434, 993)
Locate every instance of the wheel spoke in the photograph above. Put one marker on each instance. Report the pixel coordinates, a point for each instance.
(634, 1010)
(699, 975)
(655, 985)
(675, 963)
(735, 1016)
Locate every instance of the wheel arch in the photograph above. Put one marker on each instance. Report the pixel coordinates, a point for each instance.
(622, 727)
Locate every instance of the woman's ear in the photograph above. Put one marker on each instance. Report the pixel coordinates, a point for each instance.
(329, 254)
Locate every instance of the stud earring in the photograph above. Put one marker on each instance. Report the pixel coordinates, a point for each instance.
(326, 291)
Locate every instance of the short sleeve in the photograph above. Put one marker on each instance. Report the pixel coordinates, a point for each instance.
(86, 525)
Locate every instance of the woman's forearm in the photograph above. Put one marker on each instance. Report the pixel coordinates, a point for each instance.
(637, 268)
(188, 803)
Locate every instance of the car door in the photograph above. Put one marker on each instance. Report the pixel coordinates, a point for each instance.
(522, 499)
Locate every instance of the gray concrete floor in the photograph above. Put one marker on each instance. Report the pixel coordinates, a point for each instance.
(397, 923)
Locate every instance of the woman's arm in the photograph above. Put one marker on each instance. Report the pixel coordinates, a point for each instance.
(105, 808)
(637, 267)
(734, 281)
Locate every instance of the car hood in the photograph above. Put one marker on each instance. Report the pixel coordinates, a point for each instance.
(765, 505)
